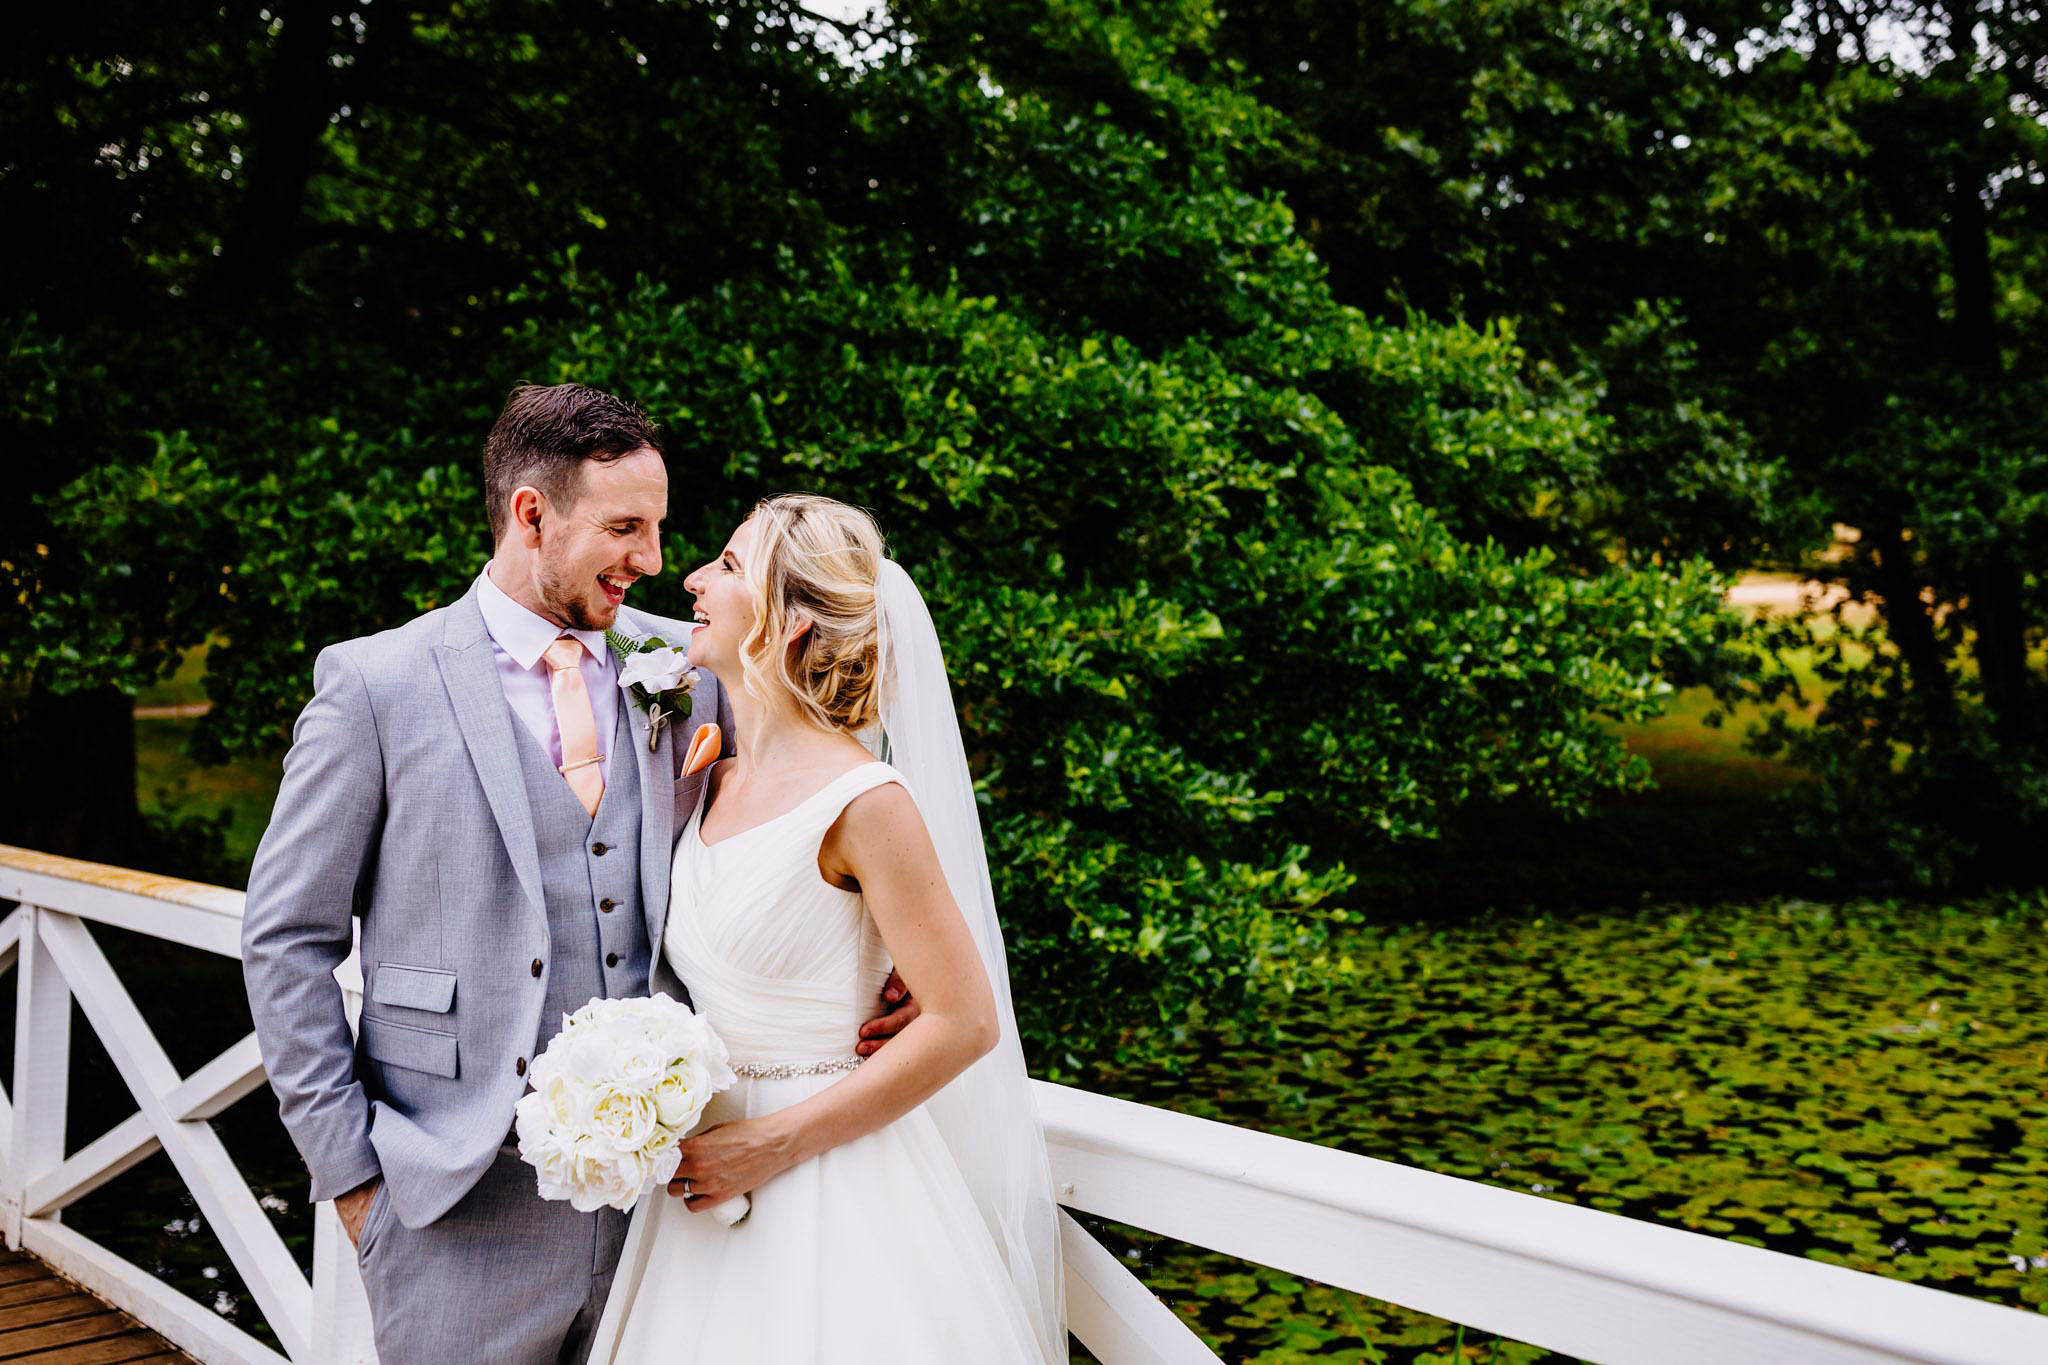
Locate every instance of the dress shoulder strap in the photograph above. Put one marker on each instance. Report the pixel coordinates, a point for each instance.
(836, 795)
(809, 821)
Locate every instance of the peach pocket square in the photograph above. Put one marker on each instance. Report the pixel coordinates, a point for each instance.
(703, 750)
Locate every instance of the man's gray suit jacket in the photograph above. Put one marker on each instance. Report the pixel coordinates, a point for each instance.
(403, 803)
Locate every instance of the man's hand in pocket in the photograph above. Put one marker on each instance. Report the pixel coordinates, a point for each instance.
(354, 1207)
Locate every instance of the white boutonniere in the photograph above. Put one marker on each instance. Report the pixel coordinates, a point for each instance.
(657, 676)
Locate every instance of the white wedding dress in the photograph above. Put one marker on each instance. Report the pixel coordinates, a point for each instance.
(872, 1252)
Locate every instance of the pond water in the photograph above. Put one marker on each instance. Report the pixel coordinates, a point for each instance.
(1864, 1084)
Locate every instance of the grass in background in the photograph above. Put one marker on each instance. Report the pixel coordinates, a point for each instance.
(1710, 827)
(233, 799)
(209, 816)
(185, 687)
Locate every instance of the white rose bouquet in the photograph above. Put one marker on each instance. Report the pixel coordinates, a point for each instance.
(613, 1094)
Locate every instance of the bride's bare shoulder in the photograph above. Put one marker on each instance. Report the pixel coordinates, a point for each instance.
(884, 820)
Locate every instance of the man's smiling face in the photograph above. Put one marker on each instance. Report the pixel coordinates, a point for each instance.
(592, 551)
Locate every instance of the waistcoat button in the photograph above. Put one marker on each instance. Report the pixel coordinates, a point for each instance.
(599, 849)
(607, 905)
(536, 966)
(611, 959)
(519, 1067)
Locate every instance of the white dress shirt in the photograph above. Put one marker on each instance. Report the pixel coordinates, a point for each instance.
(518, 638)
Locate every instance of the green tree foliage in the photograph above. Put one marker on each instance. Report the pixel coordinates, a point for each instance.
(1238, 584)
(1800, 243)
(1203, 640)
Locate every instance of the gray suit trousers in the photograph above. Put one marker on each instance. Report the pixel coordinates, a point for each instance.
(504, 1276)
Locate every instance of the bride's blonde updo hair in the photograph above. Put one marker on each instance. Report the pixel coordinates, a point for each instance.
(817, 558)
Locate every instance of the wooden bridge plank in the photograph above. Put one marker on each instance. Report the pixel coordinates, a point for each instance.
(69, 1305)
(32, 1291)
(46, 1319)
(137, 1345)
(105, 1323)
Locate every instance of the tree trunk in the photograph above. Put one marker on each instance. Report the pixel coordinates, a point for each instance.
(72, 770)
(1998, 616)
(1911, 627)
(1340, 42)
(288, 124)
(1996, 606)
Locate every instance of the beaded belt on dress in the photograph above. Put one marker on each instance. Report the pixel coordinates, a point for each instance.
(779, 1071)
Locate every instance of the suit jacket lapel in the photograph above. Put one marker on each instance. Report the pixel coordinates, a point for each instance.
(469, 670)
(657, 799)
(657, 817)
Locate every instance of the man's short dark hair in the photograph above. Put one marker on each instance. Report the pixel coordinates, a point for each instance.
(545, 434)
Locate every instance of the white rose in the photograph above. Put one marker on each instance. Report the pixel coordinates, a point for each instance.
(691, 1039)
(587, 1182)
(714, 1063)
(566, 1103)
(660, 1153)
(654, 1162)
(530, 1119)
(640, 1061)
(679, 1096)
(584, 1017)
(623, 1117)
(601, 1188)
(656, 670)
(560, 1173)
(590, 1056)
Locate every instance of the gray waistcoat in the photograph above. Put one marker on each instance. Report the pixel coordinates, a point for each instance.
(596, 951)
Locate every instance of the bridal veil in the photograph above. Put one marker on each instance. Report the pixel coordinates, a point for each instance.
(986, 1114)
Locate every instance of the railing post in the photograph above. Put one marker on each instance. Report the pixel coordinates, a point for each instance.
(42, 1071)
(342, 1333)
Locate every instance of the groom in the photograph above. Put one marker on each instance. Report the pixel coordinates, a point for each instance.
(477, 788)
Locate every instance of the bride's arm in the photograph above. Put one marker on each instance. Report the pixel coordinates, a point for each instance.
(881, 843)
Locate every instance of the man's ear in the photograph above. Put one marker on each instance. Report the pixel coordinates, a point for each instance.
(528, 503)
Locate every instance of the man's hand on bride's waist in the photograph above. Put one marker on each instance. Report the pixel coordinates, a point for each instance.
(898, 1009)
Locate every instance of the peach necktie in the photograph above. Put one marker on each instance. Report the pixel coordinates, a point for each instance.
(582, 764)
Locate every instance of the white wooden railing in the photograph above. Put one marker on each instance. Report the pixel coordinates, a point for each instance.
(1576, 1280)
(57, 961)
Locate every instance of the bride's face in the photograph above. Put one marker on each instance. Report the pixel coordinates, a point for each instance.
(725, 606)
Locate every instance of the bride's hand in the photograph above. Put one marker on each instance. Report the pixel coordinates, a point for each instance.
(728, 1159)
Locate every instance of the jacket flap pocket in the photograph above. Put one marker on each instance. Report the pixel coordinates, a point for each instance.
(689, 791)
(418, 988)
(421, 1049)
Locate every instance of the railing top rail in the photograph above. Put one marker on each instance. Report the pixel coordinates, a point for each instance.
(1548, 1272)
(174, 890)
(168, 908)
(1378, 1204)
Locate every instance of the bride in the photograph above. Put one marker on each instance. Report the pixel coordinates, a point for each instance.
(902, 1204)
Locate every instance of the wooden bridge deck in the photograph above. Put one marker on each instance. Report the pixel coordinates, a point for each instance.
(45, 1319)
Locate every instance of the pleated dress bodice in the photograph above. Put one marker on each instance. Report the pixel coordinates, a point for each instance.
(787, 968)
(784, 965)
